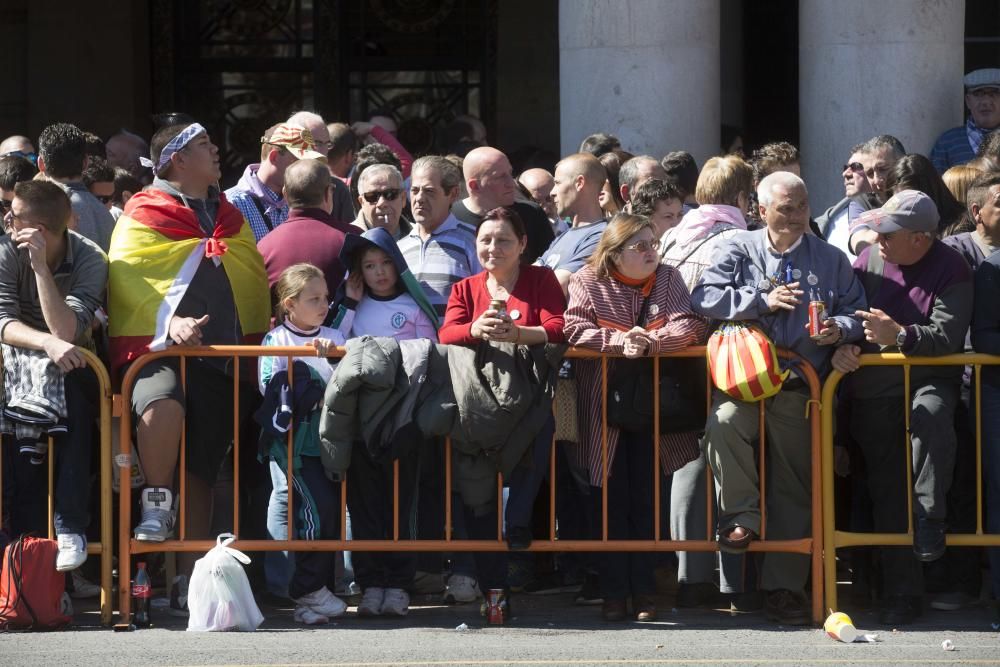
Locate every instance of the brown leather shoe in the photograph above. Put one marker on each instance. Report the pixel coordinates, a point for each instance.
(614, 609)
(645, 607)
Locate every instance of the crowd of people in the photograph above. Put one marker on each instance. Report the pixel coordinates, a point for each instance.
(455, 288)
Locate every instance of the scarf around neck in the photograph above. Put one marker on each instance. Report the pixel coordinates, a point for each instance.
(698, 221)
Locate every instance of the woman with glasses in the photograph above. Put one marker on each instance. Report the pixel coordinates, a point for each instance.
(625, 302)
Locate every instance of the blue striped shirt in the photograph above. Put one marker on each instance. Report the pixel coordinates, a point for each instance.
(951, 148)
(447, 256)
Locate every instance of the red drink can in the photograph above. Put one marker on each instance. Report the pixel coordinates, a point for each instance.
(496, 607)
(816, 311)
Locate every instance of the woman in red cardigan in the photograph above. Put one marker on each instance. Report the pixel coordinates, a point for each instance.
(622, 284)
(532, 315)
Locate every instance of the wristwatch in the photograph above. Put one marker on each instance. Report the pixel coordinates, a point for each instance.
(901, 337)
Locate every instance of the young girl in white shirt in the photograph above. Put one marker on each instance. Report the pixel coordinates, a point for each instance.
(302, 306)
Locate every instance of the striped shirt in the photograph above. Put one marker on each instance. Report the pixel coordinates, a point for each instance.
(447, 256)
(952, 148)
(600, 313)
(252, 197)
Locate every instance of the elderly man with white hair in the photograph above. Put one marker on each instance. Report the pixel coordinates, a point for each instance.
(381, 197)
(766, 277)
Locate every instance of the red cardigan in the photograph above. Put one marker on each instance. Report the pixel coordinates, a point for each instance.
(537, 296)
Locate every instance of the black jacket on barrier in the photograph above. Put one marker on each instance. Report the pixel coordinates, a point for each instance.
(492, 400)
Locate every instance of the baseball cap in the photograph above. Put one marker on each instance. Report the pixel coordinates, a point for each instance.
(907, 209)
(298, 140)
(982, 78)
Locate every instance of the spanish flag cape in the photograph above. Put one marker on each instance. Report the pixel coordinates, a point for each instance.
(156, 249)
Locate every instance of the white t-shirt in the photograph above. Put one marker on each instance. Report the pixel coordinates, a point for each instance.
(397, 317)
(287, 334)
(839, 234)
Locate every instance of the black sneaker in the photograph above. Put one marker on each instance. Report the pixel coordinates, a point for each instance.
(518, 538)
(928, 539)
(700, 594)
(590, 594)
(787, 607)
(899, 610)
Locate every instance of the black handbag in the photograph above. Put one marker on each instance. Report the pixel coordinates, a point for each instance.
(683, 386)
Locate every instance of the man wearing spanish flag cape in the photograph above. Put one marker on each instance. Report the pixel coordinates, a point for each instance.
(768, 277)
(184, 270)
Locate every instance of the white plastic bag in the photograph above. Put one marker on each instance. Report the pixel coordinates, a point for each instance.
(219, 595)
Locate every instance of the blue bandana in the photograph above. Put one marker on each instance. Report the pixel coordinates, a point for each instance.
(174, 145)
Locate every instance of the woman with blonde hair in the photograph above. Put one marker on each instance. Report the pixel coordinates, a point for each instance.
(625, 302)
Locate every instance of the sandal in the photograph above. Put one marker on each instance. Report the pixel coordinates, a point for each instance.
(736, 545)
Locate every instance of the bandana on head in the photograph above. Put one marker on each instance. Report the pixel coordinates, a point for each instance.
(174, 145)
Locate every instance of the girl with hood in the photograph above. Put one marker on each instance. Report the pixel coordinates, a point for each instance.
(381, 298)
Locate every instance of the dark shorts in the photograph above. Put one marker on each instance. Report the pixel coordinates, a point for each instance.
(208, 408)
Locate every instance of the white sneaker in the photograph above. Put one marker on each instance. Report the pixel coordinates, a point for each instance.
(461, 588)
(72, 552)
(308, 616)
(323, 602)
(157, 524)
(371, 601)
(396, 602)
(82, 588)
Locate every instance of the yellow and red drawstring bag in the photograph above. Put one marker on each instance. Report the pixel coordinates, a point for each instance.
(744, 362)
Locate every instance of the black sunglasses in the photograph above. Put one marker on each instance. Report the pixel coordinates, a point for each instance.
(104, 199)
(375, 195)
(854, 166)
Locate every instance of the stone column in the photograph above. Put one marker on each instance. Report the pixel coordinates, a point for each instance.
(644, 70)
(867, 68)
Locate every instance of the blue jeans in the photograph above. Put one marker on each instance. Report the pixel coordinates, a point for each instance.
(278, 565)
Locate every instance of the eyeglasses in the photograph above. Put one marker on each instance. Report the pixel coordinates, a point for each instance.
(28, 156)
(854, 166)
(104, 199)
(643, 246)
(375, 195)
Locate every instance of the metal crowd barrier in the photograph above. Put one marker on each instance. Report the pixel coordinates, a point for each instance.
(105, 547)
(833, 538)
(810, 545)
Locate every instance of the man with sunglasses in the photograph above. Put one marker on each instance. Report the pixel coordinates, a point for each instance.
(62, 157)
(20, 146)
(835, 223)
(381, 199)
(982, 98)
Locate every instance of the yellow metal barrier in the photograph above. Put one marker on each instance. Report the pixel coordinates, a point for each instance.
(810, 545)
(103, 548)
(833, 538)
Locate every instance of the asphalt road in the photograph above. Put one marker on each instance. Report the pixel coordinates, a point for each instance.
(546, 630)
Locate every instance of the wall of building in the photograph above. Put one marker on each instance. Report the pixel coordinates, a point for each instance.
(82, 62)
(527, 110)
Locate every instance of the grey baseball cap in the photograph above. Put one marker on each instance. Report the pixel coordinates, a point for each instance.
(907, 209)
(982, 78)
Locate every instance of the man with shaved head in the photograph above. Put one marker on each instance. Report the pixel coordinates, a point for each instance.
(489, 180)
(637, 171)
(539, 183)
(19, 145)
(577, 183)
(124, 149)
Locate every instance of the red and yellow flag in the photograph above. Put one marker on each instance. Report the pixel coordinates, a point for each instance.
(744, 363)
(156, 249)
